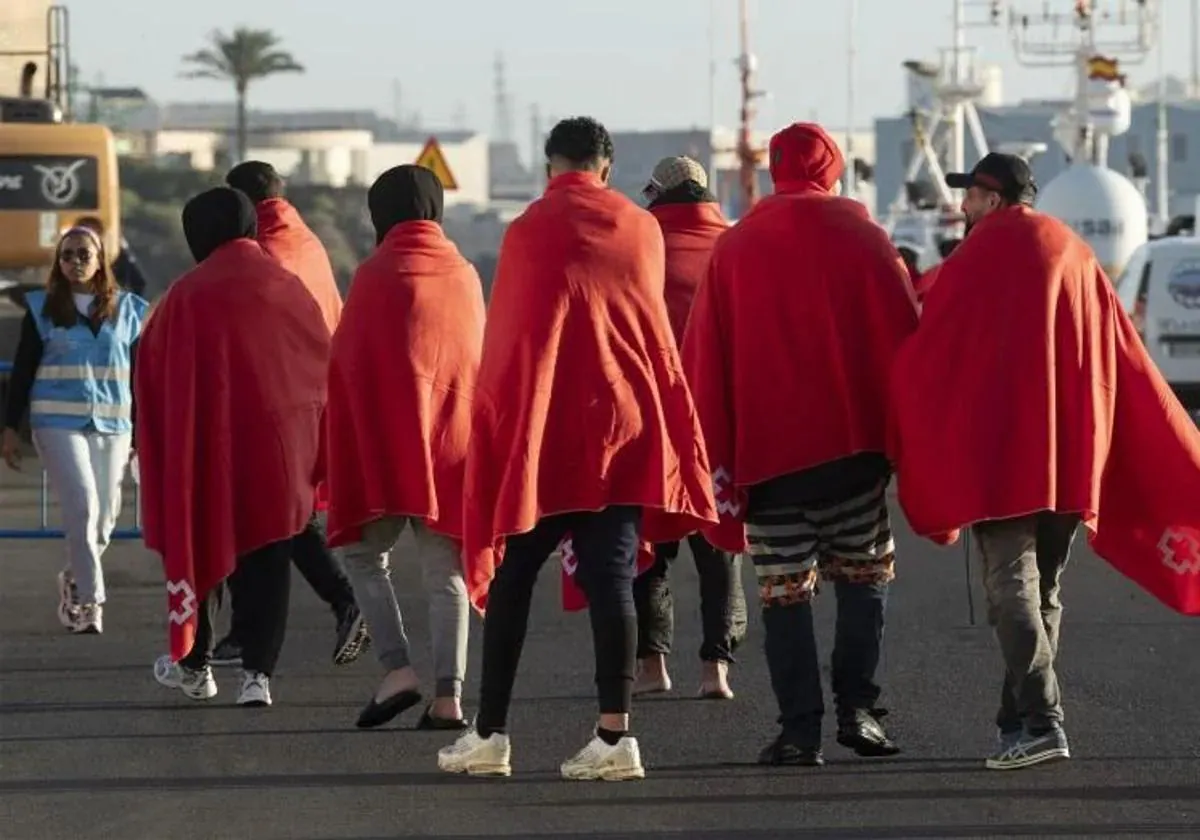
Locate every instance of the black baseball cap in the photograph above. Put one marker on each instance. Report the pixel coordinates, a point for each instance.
(1008, 175)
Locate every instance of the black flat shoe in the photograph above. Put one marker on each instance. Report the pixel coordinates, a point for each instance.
(377, 714)
(428, 721)
(786, 751)
(863, 732)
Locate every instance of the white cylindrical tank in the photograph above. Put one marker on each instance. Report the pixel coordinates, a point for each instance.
(1103, 207)
(991, 77)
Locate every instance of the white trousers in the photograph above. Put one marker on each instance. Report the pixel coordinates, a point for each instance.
(85, 469)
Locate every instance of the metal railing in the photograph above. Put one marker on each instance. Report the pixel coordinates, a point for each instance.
(44, 531)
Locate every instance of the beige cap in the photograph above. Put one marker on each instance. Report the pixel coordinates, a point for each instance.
(671, 172)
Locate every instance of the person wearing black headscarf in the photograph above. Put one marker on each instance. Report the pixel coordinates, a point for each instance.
(397, 435)
(230, 383)
(216, 217)
(404, 193)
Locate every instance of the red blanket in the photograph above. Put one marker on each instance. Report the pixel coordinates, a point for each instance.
(689, 231)
(284, 235)
(926, 282)
(401, 375)
(230, 386)
(581, 402)
(791, 341)
(1026, 388)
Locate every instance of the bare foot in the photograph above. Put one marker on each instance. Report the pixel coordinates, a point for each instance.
(652, 676)
(714, 685)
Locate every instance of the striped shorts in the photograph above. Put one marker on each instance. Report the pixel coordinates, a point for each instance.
(794, 547)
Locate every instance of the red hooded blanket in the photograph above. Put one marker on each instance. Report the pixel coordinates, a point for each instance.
(230, 384)
(792, 337)
(689, 231)
(581, 402)
(1026, 388)
(401, 377)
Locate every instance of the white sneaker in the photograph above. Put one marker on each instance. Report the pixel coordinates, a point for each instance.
(477, 756)
(256, 689)
(68, 603)
(198, 685)
(599, 761)
(89, 618)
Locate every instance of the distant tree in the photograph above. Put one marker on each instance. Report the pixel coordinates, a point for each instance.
(242, 57)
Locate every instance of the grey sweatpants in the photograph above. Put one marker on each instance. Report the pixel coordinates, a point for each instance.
(368, 567)
(85, 469)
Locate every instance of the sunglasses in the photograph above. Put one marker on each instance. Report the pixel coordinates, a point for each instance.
(81, 254)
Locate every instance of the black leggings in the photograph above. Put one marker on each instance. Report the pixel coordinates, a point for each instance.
(260, 587)
(606, 546)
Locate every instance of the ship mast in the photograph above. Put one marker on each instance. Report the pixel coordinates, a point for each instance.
(747, 154)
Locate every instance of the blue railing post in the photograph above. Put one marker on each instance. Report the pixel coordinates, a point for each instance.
(44, 531)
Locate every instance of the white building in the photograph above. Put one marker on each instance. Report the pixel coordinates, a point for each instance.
(329, 148)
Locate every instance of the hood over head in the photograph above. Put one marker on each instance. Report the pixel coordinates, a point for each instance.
(215, 217)
(406, 193)
(804, 156)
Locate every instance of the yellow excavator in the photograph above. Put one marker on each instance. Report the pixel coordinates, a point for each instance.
(53, 171)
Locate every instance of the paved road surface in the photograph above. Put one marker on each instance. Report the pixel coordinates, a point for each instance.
(93, 747)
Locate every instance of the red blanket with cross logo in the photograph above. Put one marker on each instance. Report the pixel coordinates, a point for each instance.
(1027, 388)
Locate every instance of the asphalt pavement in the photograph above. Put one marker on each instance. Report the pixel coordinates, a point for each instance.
(91, 746)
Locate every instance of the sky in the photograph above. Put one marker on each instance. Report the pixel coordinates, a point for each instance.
(633, 64)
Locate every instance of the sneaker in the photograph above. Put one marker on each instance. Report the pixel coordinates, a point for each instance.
(1007, 739)
(352, 637)
(1029, 750)
(476, 756)
(227, 652)
(89, 620)
(599, 761)
(68, 600)
(256, 689)
(195, 684)
(790, 751)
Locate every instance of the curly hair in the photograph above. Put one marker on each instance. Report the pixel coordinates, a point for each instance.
(60, 302)
(582, 141)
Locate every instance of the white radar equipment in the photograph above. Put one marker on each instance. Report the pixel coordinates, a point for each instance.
(926, 218)
(1094, 38)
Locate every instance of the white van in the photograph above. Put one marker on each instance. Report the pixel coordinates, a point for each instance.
(1160, 289)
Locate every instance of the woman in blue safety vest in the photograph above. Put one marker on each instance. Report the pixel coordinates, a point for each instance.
(74, 373)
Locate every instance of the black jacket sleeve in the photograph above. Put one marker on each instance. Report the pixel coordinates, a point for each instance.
(128, 272)
(25, 365)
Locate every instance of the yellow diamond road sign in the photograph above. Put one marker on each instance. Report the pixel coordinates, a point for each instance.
(433, 159)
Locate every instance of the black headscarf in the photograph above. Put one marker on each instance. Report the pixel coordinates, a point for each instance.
(405, 193)
(215, 217)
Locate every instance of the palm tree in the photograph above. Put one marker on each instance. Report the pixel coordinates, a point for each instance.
(242, 57)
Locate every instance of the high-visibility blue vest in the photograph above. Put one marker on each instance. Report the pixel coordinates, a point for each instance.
(83, 380)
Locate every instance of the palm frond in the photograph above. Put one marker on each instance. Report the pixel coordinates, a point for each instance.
(241, 56)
